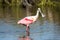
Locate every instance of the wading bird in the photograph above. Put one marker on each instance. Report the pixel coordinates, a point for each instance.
(30, 19)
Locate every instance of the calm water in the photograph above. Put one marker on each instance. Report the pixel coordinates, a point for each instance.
(47, 28)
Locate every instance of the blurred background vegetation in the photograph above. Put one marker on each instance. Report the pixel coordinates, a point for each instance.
(39, 3)
(18, 2)
(49, 7)
(55, 4)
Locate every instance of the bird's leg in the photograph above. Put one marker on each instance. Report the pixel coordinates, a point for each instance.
(27, 30)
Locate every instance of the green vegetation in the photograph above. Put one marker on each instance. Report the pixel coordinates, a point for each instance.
(38, 3)
(55, 4)
(10, 2)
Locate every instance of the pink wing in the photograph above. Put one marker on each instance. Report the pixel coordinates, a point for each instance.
(25, 21)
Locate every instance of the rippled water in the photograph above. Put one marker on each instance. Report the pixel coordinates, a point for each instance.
(47, 28)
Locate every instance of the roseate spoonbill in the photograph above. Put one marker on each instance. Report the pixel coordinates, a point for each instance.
(30, 19)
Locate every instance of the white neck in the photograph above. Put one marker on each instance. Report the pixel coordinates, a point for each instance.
(37, 14)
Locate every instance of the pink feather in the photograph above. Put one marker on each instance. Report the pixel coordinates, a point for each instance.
(25, 21)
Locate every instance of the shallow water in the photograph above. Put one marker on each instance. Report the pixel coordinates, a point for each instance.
(43, 29)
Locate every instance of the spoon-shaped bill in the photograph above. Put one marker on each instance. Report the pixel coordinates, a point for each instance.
(42, 15)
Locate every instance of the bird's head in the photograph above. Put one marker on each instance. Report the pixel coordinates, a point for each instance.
(39, 9)
(41, 12)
